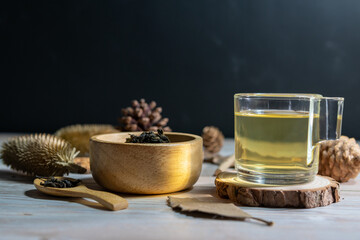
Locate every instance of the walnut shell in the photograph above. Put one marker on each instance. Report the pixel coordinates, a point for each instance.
(340, 159)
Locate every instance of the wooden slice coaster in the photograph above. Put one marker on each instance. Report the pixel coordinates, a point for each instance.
(322, 191)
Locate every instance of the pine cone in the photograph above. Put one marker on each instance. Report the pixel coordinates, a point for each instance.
(340, 159)
(213, 139)
(143, 117)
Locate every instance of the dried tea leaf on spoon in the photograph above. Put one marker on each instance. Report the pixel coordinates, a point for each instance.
(212, 207)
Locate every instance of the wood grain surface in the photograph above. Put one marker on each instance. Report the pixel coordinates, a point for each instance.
(321, 192)
(26, 213)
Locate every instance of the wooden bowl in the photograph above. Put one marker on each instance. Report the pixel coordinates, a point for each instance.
(150, 168)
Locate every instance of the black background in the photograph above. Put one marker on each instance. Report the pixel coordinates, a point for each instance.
(67, 62)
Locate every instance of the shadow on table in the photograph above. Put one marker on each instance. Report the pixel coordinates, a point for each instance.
(203, 215)
(198, 212)
(90, 183)
(38, 195)
(10, 175)
(217, 217)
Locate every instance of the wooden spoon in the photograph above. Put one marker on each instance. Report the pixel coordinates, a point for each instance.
(108, 200)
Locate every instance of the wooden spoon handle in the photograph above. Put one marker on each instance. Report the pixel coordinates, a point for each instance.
(109, 200)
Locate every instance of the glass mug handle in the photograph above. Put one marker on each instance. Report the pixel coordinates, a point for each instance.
(331, 112)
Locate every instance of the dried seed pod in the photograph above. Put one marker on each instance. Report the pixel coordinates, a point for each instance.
(79, 135)
(340, 159)
(40, 154)
(213, 139)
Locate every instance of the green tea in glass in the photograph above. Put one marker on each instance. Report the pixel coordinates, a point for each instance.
(277, 136)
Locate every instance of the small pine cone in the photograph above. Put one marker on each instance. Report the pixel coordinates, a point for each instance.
(340, 159)
(142, 116)
(213, 139)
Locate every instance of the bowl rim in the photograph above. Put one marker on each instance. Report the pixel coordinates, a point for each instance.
(95, 138)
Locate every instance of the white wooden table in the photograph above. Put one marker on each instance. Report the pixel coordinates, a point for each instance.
(28, 214)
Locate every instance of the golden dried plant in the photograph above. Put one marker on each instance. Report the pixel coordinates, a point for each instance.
(79, 135)
(40, 154)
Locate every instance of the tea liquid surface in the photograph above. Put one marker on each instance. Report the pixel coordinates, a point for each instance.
(276, 142)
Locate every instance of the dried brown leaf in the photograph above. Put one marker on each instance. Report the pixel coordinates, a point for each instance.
(212, 207)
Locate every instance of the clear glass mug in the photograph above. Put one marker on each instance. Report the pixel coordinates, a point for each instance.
(277, 136)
